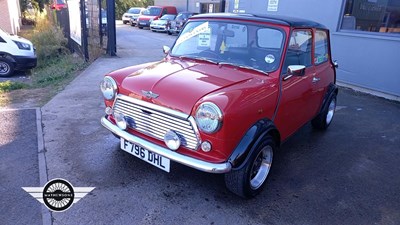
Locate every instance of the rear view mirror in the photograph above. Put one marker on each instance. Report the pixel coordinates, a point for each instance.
(335, 64)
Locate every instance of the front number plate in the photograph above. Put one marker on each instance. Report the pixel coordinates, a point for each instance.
(145, 155)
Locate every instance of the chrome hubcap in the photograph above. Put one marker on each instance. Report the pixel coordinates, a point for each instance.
(4, 68)
(331, 111)
(261, 166)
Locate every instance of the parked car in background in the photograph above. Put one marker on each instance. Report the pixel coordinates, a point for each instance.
(175, 26)
(104, 28)
(131, 15)
(232, 88)
(16, 53)
(58, 5)
(161, 24)
(154, 13)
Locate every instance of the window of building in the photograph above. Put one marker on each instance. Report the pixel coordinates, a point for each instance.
(381, 16)
(321, 47)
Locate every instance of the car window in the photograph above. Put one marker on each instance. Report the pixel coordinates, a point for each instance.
(321, 54)
(165, 11)
(299, 49)
(231, 42)
(167, 17)
(152, 11)
(134, 11)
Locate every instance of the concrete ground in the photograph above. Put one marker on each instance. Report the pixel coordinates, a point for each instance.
(346, 175)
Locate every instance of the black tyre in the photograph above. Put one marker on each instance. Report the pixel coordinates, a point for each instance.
(124, 22)
(249, 180)
(140, 27)
(6, 67)
(132, 24)
(153, 30)
(324, 119)
(169, 33)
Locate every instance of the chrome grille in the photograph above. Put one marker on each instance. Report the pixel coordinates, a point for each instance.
(151, 120)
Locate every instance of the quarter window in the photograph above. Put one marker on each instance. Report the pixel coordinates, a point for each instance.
(321, 54)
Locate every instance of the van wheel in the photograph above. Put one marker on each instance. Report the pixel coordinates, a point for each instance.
(6, 67)
(249, 180)
(140, 27)
(169, 33)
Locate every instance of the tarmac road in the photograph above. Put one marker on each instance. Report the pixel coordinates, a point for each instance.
(346, 175)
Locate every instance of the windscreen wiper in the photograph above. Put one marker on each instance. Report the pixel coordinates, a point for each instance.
(243, 67)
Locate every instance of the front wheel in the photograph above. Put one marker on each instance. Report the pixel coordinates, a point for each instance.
(6, 67)
(324, 119)
(140, 27)
(249, 180)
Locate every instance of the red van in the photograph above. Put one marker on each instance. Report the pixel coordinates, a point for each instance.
(154, 13)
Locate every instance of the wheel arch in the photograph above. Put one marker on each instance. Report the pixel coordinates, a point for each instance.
(8, 56)
(332, 90)
(250, 140)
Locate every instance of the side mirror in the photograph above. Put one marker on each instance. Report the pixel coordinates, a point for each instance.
(296, 70)
(166, 49)
(335, 64)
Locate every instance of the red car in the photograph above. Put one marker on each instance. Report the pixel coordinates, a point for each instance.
(230, 90)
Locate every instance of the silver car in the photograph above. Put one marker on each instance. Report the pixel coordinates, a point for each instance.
(161, 24)
(131, 15)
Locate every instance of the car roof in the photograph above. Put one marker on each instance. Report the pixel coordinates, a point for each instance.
(283, 20)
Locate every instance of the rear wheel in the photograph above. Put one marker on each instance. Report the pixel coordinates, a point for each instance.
(140, 27)
(124, 22)
(324, 119)
(132, 24)
(249, 180)
(169, 33)
(6, 67)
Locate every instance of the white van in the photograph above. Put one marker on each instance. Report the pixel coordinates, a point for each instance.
(16, 53)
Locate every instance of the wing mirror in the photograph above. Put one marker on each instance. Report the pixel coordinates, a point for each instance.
(335, 64)
(166, 49)
(296, 70)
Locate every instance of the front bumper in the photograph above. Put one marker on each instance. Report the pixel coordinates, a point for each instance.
(174, 156)
(142, 23)
(25, 62)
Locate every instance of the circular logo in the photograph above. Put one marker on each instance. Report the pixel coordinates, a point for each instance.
(58, 195)
(269, 58)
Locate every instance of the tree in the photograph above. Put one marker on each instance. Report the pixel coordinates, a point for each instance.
(121, 6)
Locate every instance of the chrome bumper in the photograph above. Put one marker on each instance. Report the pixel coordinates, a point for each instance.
(174, 156)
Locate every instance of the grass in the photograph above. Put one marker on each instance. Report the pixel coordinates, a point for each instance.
(8, 86)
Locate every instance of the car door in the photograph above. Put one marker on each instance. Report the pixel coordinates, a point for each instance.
(295, 105)
(324, 72)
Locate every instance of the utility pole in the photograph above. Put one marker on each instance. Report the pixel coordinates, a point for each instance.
(111, 34)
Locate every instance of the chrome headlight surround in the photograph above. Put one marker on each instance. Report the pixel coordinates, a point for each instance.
(109, 88)
(208, 117)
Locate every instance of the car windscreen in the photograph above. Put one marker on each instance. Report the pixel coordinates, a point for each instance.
(243, 44)
(182, 16)
(168, 17)
(152, 11)
(134, 11)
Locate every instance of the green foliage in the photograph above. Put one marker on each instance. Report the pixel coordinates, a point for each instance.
(57, 71)
(7, 86)
(121, 6)
(49, 40)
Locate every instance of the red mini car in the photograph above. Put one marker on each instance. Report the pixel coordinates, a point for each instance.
(230, 90)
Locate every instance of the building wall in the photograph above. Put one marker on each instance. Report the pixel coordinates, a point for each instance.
(185, 5)
(365, 59)
(10, 16)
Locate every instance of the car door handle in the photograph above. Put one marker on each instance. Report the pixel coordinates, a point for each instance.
(315, 79)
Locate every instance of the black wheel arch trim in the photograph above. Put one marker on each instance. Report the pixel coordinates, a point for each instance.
(250, 140)
(8, 56)
(332, 90)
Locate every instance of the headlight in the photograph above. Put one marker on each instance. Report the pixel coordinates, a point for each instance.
(108, 88)
(208, 117)
(22, 45)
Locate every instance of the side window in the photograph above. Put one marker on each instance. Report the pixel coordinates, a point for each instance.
(165, 11)
(299, 49)
(2, 40)
(321, 54)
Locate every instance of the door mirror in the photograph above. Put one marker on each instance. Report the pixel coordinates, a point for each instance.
(166, 49)
(335, 64)
(296, 70)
